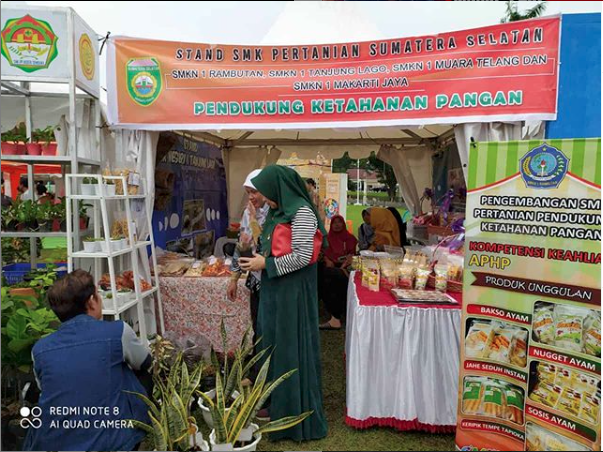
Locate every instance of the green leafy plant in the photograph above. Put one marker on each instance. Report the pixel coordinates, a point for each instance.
(117, 237)
(9, 136)
(229, 422)
(45, 135)
(172, 426)
(90, 180)
(83, 208)
(15, 250)
(110, 182)
(24, 322)
(90, 239)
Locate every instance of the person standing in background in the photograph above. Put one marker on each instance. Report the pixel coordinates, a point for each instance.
(288, 320)
(23, 189)
(311, 186)
(387, 231)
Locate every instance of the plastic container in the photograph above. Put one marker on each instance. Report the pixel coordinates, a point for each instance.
(14, 273)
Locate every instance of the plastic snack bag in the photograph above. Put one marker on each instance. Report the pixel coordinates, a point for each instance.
(565, 378)
(406, 275)
(544, 324)
(494, 400)
(547, 373)
(569, 402)
(422, 277)
(478, 339)
(541, 393)
(514, 398)
(441, 278)
(388, 273)
(592, 334)
(500, 348)
(568, 330)
(519, 348)
(472, 396)
(373, 275)
(591, 406)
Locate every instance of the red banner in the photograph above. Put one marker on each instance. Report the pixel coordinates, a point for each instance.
(497, 73)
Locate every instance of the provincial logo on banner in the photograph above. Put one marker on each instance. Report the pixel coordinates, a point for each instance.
(543, 167)
(87, 57)
(144, 80)
(29, 44)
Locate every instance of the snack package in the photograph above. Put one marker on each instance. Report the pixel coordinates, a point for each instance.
(519, 348)
(478, 339)
(494, 400)
(534, 438)
(500, 348)
(590, 408)
(422, 277)
(569, 402)
(455, 268)
(592, 334)
(565, 378)
(365, 271)
(568, 329)
(373, 275)
(547, 373)
(553, 396)
(541, 393)
(441, 278)
(406, 275)
(472, 396)
(586, 385)
(514, 398)
(544, 324)
(388, 273)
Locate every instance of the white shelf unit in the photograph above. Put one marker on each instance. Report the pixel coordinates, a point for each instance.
(131, 252)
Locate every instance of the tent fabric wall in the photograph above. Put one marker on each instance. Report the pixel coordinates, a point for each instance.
(413, 170)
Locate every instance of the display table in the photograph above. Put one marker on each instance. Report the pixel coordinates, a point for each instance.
(402, 362)
(193, 306)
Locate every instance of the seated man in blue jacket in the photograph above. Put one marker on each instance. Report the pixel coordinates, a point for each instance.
(84, 370)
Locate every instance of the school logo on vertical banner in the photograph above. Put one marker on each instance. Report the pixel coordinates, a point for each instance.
(543, 167)
(29, 44)
(87, 57)
(144, 80)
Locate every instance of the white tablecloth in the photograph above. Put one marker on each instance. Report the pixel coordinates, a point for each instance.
(402, 366)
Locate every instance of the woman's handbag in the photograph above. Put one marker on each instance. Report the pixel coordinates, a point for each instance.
(282, 238)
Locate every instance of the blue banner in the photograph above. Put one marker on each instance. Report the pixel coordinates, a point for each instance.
(191, 209)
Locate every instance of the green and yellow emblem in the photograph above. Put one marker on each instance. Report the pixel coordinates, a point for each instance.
(29, 44)
(144, 80)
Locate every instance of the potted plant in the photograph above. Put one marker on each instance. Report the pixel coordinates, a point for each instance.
(231, 373)
(26, 215)
(172, 425)
(90, 245)
(109, 187)
(45, 217)
(124, 295)
(234, 430)
(46, 136)
(83, 212)
(90, 186)
(9, 217)
(32, 146)
(116, 243)
(59, 212)
(9, 143)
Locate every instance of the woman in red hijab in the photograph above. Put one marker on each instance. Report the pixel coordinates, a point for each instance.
(334, 275)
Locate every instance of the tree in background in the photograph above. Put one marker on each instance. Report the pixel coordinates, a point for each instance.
(512, 14)
(384, 171)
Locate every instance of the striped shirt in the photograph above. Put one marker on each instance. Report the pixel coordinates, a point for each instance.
(303, 229)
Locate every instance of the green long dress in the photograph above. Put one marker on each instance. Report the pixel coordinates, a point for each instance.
(288, 314)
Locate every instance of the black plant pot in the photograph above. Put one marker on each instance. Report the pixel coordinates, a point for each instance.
(208, 383)
(11, 226)
(45, 227)
(63, 225)
(32, 225)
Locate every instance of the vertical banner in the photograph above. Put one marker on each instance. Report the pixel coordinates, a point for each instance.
(190, 196)
(531, 332)
(335, 197)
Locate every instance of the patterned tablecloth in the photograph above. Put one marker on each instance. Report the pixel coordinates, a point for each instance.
(193, 306)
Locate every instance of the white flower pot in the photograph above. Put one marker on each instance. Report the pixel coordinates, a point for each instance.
(124, 244)
(109, 189)
(205, 410)
(88, 189)
(124, 297)
(103, 246)
(91, 247)
(229, 447)
(198, 439)
(115, 245)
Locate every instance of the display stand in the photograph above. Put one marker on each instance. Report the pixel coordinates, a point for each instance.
(116, 305)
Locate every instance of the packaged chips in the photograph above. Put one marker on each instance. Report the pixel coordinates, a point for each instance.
(568, 328)
(494, 398)
(478, 339)
(497, 341)
(544, 325)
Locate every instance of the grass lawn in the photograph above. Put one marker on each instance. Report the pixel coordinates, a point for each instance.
(341, 437)
(354, 213)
